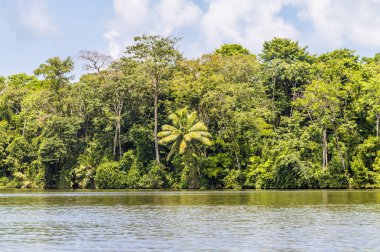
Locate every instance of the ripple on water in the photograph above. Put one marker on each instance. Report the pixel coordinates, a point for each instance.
(190, 221)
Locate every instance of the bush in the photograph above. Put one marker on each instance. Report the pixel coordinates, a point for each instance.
(155, 178)
(260, 174)
(233, 180)
(288, 171)
(214, 169)
(64, 179)
(14, 183)
(362, 177)
(327, 180)
(133, 178)
(83, 177)
(4, 181)
(109, 176)
(127, 160)
(36, 173)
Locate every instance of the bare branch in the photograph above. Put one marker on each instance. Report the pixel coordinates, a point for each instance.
(94, 61)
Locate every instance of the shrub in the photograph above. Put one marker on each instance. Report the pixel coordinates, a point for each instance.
(328, 180)
(133, 179)
(233, 180)
(155, 178)
(4, 181)
(109, 176)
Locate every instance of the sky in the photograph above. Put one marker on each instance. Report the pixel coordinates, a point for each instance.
(31, 31)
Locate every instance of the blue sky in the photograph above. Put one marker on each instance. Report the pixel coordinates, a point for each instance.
(35, 30)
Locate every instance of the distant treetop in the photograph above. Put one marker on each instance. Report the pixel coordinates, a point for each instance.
(232, 50)
(283, 49)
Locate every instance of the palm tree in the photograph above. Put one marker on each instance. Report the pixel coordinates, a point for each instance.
(184, 133)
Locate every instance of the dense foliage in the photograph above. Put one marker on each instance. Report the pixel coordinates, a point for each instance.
(230, 119)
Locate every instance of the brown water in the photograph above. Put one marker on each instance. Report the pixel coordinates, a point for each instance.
(190, 221)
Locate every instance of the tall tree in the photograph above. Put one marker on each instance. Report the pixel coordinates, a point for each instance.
(122, 85)
(286, 68)
(57, 76)
(370, 98)
(328, 101)
(159, 55)
(56, 71)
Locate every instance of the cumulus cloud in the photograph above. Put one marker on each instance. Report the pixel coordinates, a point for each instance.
(248, 22)
(34, 16)
(337, 23)
(137, 17)
(176, 14)
(205, 26)
(114, 48)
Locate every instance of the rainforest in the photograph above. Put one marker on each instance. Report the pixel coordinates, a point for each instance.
(152, 119)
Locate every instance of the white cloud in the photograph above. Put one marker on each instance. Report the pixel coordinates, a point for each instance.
(112, 37)
(134, 13)
(326, 24)
(137, 17)
(248, 22)
(176, 14)
(34, 15)
(339, 23)
(130, 17)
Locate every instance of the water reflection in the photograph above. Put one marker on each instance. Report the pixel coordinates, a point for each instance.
(189, 221)
(266, 198)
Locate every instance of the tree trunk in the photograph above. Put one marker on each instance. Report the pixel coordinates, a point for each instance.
(24, 128)
(342, 158)
(193, 165)
(85, 129)
(294, 94)
(119, 130)
(116, 140)
(377, 124)
(324, 152)
(193, 175)
(115, 143)
(340, 153)
(204, 152)
(193, 178)
(274, 86)
(238, 161)
(156, 122)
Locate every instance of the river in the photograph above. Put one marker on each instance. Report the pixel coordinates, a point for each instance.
(190, 220)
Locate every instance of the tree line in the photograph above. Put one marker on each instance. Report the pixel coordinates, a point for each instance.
(284, 118)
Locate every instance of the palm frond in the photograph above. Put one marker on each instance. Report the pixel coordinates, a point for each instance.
(173, 149)
(197, 136)
(191, 136)
(200, 133)
(191, 119)
(199, 126)
(205, 141)
(169, 139)
(204, 134)
(167, 127)
(188, 137)
(162, 134)
(182, 113)
(175, 119)
(182, 146)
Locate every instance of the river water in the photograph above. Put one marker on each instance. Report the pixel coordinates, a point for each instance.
(190, 221)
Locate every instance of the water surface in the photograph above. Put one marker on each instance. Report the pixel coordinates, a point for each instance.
(190, 221)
